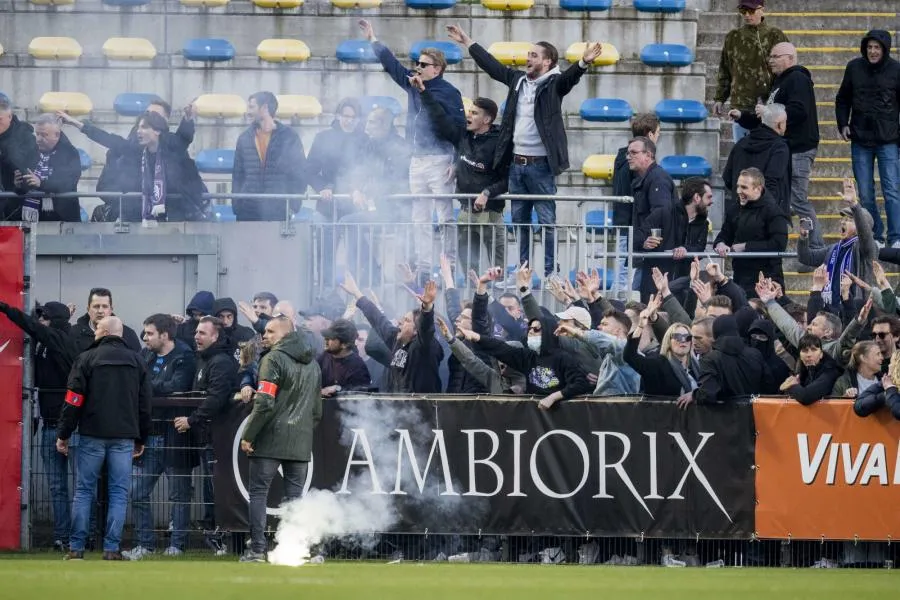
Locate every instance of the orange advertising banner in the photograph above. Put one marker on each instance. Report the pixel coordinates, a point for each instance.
(823, 471)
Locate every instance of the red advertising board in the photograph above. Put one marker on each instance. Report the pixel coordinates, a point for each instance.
(12, 243)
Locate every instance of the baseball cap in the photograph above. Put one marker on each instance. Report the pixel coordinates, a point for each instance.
(578, 314)
(53, 310)
(341, 330)
(754, 4)
(846, 211)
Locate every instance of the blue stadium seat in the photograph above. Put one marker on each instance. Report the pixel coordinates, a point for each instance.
(660, 6)
(132, 105)
(452, 52)
(215, 161)
(431, 4)
(682, 167)
(585, 5)
(355, 51)
(126, 2)
(223, 213)
(86, 162)
(667, 55)
(597, 220)
(208, 50)
(304, 215)
(681, 111)
(84, 216)
(369, 103)
(606, 110)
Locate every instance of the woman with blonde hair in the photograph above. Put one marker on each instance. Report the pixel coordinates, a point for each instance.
(862, 371)
(671, 372)
(883, 393)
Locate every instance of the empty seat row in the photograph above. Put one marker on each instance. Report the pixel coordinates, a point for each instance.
(612, 110)
(654, 6)
(600, 166)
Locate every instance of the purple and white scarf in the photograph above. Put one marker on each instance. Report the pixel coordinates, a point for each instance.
(835, 271)
(153, 186)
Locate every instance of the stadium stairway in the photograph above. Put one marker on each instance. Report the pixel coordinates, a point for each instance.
(827, 34)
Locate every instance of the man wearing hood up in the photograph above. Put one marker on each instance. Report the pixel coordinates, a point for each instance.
(765, 149)
(279, 432)
(54, 354)
(57, 170)
(867, 108)
(226, 311)
(532, 134)
(762, 337)
(731, 370)
(199, 306)
(759, 225)
(18, 153)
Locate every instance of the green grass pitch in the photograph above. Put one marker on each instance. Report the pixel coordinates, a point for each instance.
(29, 577)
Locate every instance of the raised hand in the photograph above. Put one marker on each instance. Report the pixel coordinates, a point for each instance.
(367, 30)
(447, 272)
(469, 335)
(68, 119)
(864, 311)
(819, 278)
(653, 305)
(661, 280)
(846, 284)
(456, 33)
(566, 331)
(880, 276)
(848, 192)
(714, 271)
(417, 83)
(428, 296)
(445, 331)
(349, 286)
(406, 274)
(523, 276)
(695, 268)
(702, 290)
(862, 284)
(592, 52)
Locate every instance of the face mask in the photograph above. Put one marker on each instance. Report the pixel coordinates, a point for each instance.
(534, 343)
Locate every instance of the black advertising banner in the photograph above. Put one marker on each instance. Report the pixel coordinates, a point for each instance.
(616, 467)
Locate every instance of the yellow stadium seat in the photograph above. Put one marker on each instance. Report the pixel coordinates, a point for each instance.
(59, 48)
(356, 3)
(123, 48)
(74, 103)
(278, 3)
(220, 105)
(204, 3)
(599, 166)
(507, 4)
(510, 53)
(467, 104)
(609, 56)
(280, 50)
(303, 107)
(52, 2)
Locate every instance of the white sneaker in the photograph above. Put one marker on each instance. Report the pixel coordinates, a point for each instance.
(137, 553)
(669, 560)
(173, 551)
(825, 563)
(552, 556)
(896, 244)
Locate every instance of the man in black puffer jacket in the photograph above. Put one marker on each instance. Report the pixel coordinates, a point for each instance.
(759, 225)
(867, 108)
(54, 354)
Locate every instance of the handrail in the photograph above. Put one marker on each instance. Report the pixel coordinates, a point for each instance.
(713, 255)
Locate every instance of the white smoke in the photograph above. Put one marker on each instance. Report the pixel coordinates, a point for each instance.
(323, 514)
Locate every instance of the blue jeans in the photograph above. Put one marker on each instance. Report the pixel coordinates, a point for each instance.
(146, 472)
(92, 454)
(864, 172)
(535, 178)
(738, 132)
(57, 466)
(623, 270)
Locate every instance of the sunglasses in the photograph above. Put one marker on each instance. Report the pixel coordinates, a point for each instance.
(881, 334)
(682, 337)
(535, 329)
(424, 65)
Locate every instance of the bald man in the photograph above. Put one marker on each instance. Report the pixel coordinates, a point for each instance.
(793, 87)
(108, 400)
(279, 432)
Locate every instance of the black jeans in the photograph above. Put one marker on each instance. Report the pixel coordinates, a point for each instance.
(262, 472)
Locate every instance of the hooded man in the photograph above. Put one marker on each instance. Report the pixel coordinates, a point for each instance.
(731, 370)
(18, 154)
(199, 306)
(762, 337)
(57, 171)
(766, 150)
(867, 108)
(54, 355)
(226, 311)
(759, 225)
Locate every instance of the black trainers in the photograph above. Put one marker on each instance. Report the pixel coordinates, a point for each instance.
(74, 555)
(251, 556)
(59, 546)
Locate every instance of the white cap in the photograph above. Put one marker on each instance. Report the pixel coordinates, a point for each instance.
(577, 314)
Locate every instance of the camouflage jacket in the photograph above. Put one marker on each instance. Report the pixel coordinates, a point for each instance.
(744, 73)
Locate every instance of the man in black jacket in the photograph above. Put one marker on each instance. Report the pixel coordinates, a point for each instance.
(57, 170)
(18, 153)
(532, 135)
(481, 220)
(692, 223)
(765, 149)
(54, 354)
(416, 353)
(642, 125)
(730, 371)
(759, 225)
(216, 375)
(655, 208)
(199, 306)
(867, 108)
(170, 366)
(109, 402)
(226, 311)
(100, 306)
(343, 369)
(268, 159)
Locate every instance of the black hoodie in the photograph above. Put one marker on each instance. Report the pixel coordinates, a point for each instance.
(780, 370)
(794, 88)
(18, 152)
(54, 354)
(869, 97)
(816, 382)
(621, 186)
(550, 370)
(767, 151)
(201, 302)
(236, 334)
(65, 171)
(475, 170)
(731, 370)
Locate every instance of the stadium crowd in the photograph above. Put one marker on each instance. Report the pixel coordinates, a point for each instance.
(698, 335)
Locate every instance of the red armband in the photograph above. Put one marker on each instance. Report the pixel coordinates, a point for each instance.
(267, 387)
(74, 399)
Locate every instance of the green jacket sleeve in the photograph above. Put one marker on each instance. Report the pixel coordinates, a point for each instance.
(264, 399)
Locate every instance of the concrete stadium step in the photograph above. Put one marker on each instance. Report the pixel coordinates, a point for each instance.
(801, 38)
(819, 5)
